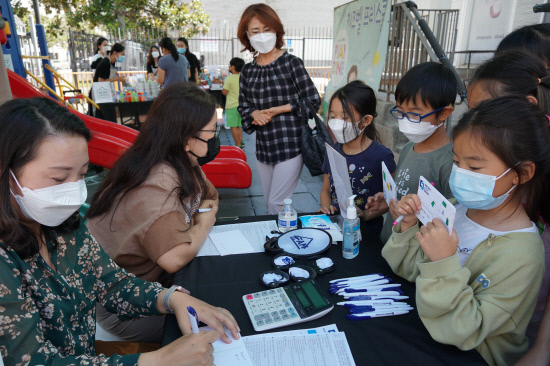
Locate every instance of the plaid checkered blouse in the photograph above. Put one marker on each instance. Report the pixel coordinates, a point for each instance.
(263, 87)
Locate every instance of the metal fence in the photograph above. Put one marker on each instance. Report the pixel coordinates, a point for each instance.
(407, 47)
(217, 47)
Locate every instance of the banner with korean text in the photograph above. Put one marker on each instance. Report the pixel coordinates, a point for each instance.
(360, 44)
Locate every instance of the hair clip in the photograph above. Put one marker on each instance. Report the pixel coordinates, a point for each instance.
(538, 80)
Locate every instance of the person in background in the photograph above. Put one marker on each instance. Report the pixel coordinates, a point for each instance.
(424, 97)
(153, 62)
(476, 288)
(272, 87)
(194, 64)
(102, 48)
(53, 272)
(106, 71)
(352, 113)
(173, 68)
(145, 212)
(231, 90)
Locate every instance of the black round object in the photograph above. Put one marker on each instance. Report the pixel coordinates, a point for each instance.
(275, 284)
(311, 271)
(312, 262)
(284, 266)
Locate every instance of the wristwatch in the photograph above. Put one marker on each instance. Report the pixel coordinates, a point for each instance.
(169, 293)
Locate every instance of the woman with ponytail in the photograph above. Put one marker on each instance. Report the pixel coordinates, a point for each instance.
(172, 67)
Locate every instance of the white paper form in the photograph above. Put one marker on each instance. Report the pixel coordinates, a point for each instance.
(434, 205)
(254, 232)
(390, 190)
(340, 177)
(299, 350)
(234, 354)
(231, 242)
(332, 328)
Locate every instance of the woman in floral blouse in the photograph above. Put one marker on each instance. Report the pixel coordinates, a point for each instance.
(52, 271)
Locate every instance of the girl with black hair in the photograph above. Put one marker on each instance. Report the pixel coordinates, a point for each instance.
(152, 62)
(477, 287)
(102, 47)
(53, 272)
(173, 68)
(352, 111)
(533, 38)
(145, 212)
(511, 73)
(194, 63)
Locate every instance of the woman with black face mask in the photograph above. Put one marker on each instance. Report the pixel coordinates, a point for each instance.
(145, 212)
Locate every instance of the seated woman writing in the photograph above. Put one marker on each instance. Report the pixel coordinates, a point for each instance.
(145, 212)
(53, 272)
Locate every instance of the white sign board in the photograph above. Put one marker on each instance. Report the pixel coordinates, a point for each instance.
(101, 92)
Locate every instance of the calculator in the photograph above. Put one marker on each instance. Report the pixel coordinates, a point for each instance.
(296, 303)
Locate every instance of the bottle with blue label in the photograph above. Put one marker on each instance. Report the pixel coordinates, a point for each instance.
(352, 231)
(288, 218)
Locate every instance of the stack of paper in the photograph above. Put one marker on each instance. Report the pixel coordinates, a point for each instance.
(233, 354)
(253, 232)
(308, 347)
(323, 222)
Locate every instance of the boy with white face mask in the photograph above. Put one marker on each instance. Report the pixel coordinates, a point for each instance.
(425, 97)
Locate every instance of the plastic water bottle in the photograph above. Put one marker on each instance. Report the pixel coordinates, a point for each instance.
(288, 218)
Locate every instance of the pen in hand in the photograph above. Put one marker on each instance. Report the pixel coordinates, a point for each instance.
(201, 210)
(193, 319)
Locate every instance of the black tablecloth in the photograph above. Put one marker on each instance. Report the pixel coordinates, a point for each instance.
(397, 340)
(107, 111)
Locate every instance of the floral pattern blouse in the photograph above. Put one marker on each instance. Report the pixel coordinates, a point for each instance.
(48, 317)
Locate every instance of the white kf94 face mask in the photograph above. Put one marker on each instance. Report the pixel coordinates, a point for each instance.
(51, 206)
(263, 42)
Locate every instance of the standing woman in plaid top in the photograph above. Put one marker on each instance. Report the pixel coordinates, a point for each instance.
(270, 87)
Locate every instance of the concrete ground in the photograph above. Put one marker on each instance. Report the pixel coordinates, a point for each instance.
(250, 202)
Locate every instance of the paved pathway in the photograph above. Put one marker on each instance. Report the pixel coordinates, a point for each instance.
(250, 202)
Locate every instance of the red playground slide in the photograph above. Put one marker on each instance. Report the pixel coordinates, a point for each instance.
(110, 140)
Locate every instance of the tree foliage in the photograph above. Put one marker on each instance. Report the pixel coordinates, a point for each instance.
(128, 14)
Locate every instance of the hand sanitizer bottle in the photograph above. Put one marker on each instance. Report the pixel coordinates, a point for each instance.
(352, 232)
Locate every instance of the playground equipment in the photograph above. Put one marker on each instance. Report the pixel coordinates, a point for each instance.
(110, 140)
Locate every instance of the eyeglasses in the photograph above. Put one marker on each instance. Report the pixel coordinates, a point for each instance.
(216, 131)
(411, 116)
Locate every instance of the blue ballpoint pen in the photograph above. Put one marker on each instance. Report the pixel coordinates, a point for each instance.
(193, 319)
(375, 314)
(369, 309)
(377, 297)
(357, 277)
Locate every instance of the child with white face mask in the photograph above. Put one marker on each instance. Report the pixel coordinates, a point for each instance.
(477, 287)
(424, 99)
(352, 110)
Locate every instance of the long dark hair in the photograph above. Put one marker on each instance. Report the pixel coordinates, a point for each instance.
(184, 40)
(515, 73)
(100, 40)
(359, 97)
(179, 113)
(24, 124)
(534, 39)
(516, 131)
(150, 59)
(169, 45)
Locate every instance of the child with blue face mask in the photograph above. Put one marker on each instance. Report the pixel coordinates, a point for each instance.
(352, 112)
(424, 100)
(477, 287)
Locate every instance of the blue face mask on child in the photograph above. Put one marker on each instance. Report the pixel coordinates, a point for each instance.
(475, 190)
(120, 59)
